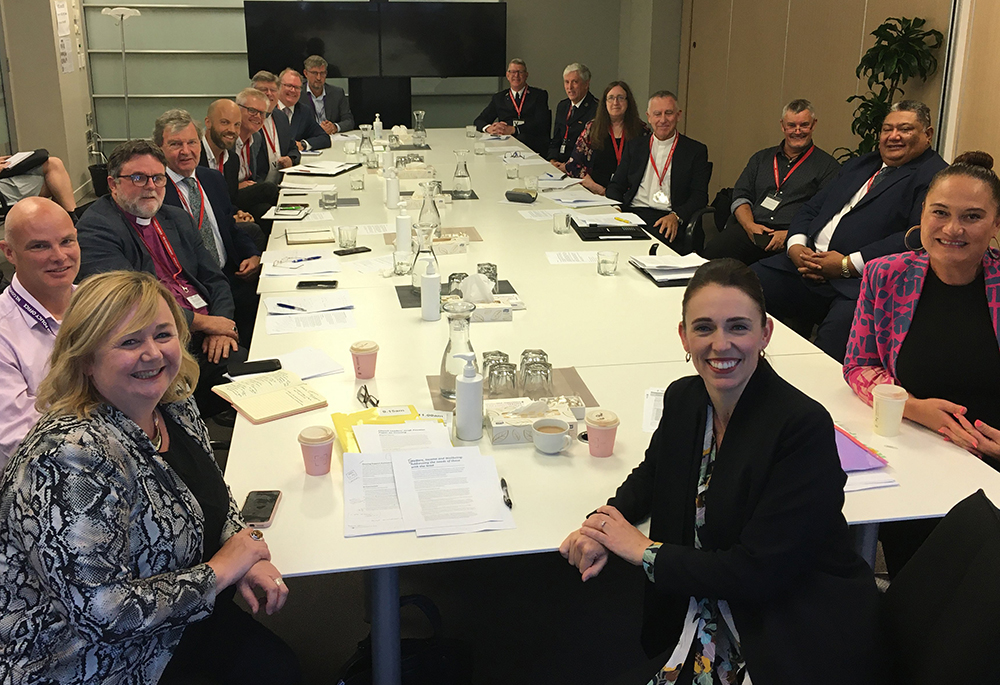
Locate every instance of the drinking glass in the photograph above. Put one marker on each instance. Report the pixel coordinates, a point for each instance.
(347, 236)
(490, 271)
(350, 147)
(561, 223)
(531, 183)
(502, 380)
(537, 380)
(328, 199)
(470, 131)
(479, 148)
(358, 182)
(607, 263)
(512, 172)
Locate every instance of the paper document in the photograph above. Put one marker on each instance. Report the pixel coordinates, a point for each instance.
(542, 214)
(370, 502)
(372, 264)
(612, 219)
(572, 257)
(315, 186)
(414, 435)
(441, 491)
(375, 229)
(293, 303)
(345, 136)
(556, 181)
(300, 262)
(868, 480)
(303, 323)
(308, 362)
(320, 168)
(579, 197)
(652, 409)
(668, 262)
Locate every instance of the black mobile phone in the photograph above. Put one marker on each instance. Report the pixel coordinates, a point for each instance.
(316, 285)
(261, 366)
(352, 250)
(258, 509)
(762, 239)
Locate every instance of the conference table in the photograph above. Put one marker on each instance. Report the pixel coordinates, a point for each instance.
(620, 334)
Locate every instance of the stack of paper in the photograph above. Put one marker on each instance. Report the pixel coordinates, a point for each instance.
(666, 268)
(321, 168)
(864, 465)
(610, 219)
(315, 321)
(302, 262)
(269, 396)
(294, 303)
(578, 257)
(556, 181)
(580, 197)
(438, 491)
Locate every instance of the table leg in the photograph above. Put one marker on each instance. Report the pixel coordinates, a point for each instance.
(866, 541)
(386, 661)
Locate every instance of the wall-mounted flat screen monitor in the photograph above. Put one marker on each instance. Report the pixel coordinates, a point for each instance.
(283, 34)
(444, 38)
(364, 39)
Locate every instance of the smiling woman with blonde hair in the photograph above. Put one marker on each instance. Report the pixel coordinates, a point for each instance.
(118, 534)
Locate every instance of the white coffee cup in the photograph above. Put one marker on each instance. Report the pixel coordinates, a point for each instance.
(888, 402)
(550, 436)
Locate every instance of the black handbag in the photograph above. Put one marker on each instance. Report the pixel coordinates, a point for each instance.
(433, 660)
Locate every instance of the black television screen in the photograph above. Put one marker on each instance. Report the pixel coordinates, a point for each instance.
(282, 34)
(444, 38)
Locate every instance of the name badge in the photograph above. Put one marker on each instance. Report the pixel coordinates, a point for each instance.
(562, 149)
(770, 203)
(518, 122)
(660, 197)
(197, 301)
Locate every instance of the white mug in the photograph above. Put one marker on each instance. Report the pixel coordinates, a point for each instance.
(550, 436)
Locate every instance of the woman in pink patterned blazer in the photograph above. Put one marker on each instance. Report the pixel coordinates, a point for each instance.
(929, 320)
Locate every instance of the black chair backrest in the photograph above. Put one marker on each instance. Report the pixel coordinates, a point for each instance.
(941, 614)
(722, 202)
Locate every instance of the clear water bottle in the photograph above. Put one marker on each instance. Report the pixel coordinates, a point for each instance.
(459, 313)
(462, 180)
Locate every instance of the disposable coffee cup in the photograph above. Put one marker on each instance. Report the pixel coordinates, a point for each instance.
(602, 426)
(550, 436)
(888, 402)
(317, 449)
(364, 353)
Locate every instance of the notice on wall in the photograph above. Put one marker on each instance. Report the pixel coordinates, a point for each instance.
(62, 18)
(66, 55)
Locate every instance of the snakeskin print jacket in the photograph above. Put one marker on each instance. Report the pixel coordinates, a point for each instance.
(100, 552)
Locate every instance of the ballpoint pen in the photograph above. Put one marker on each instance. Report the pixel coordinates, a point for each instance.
(291, 306)
(299, 260)
(506, 495)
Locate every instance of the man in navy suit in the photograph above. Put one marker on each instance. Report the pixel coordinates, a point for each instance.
(307, 134)
(860, 215)
(663, 177)
(521, 111)
(278, 150)
(329, 102)
(201, 192)
(572, 114)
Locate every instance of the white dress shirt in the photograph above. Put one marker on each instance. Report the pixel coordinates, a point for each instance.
(650, 185)
(25, 347)
(210, 156)
(182, 190)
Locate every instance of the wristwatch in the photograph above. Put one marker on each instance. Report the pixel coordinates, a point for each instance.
(845, 267)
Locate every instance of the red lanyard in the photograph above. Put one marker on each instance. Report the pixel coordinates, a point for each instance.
(187, 205)
(618, 147)
(267, 136)
(872, 180)
(221, 159)
(569, 113)
(777, 183)
(245, 158)
(518, 107)
(166, 246)
(660, 176)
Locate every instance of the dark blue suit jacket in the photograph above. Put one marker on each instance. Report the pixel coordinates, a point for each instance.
(304, 126)
(876, 225)
(335, 105)
(238, 244)
(286, 147)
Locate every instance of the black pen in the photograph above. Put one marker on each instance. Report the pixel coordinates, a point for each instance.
(506, 496)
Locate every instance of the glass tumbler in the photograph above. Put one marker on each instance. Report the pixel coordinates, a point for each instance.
(502, 381)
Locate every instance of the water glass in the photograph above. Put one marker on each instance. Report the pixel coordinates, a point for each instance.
(561, 224)
(470, 131)
(350, 147)
(328, 199)
(455, 286)
(529, 357)
(607, 263)
(489, 359)
(537, 380)
(401, 263)
(490, 271)
(502, 380)
(358, 182)
(479, 148)
(393, 141)
(347, 236)
(512, 172)
(531, 183)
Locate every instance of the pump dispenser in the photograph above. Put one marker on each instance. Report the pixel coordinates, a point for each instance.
(377, 127)
(430, 294)
(469, 400)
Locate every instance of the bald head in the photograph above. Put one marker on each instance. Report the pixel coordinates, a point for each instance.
(222, 124)
(41, 243)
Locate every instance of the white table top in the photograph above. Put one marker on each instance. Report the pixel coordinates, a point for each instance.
(619, 332)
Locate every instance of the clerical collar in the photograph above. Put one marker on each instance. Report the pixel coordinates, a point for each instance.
(668, 141)
(137, 220)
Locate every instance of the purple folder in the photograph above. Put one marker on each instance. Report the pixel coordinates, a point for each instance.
(854, 456)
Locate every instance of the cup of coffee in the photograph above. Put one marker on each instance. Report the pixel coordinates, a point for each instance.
(364, 353)
(550, 436)
(602, 426)
(888, 402)
(317, 449)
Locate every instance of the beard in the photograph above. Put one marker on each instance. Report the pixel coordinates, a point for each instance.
(219, 142)
(145, 207)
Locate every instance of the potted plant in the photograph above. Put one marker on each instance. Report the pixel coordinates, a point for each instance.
(902, 50)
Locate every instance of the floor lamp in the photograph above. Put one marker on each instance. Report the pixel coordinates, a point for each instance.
(121, 14)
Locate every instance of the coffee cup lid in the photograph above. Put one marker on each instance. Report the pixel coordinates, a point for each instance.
(890, 391)
(364, 347)
(602, 418)
(316, 435)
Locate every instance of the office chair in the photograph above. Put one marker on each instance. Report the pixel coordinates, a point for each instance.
(941, 614)
(692, 238)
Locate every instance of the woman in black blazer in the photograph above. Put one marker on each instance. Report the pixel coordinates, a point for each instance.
(743, 487)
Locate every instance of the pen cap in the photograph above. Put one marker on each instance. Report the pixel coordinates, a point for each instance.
(470, 361)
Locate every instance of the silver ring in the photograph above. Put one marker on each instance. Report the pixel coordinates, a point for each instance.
(604, 523)
(279, 581)
(256, 535)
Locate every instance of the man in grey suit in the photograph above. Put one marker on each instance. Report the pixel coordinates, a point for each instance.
(329, 102)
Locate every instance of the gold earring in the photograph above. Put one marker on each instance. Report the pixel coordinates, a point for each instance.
(906, 239)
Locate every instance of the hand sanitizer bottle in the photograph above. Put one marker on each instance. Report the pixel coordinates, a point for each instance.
(377, 127)
(469, 400)
(430, 294)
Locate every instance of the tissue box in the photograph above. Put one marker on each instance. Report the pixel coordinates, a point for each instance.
(509, 429)
(494, 311)
(451, 245)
